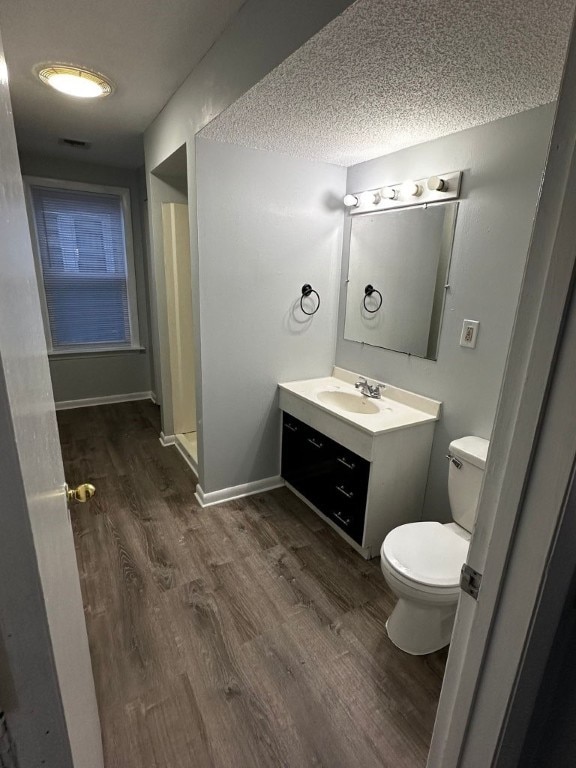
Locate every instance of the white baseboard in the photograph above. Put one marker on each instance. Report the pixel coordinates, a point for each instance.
(167, 440)
(154, 398)
(237, 491)
(86, 402)
(187, 458)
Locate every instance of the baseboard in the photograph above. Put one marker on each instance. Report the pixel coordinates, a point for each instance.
(154, 398)
(167, 440)
(237, 491)
(187, 458)
(64, 405)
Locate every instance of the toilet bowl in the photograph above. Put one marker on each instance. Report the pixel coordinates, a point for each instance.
(421, 562)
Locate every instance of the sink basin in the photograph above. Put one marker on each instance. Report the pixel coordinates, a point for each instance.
(346, 401)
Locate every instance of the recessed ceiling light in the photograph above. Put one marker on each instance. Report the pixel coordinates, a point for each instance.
(75, 81)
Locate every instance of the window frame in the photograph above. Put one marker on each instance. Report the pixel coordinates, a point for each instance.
(131, 286)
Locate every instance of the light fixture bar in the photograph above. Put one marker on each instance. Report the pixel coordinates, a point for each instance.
(431, 189)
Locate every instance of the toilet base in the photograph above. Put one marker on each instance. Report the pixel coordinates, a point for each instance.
(418, 628)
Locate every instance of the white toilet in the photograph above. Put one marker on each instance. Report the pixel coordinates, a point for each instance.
(421, 562)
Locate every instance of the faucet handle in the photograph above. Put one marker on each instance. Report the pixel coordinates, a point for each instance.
(362, 382)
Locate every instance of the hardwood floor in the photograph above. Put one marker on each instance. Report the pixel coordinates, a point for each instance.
(247, 634)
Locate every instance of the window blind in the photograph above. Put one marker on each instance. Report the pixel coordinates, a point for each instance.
(82, 252)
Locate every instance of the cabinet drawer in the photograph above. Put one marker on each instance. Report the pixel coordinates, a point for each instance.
(349, 517)
(352, 469)
(351, 495)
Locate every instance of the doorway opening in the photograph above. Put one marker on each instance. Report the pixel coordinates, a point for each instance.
(177, 358)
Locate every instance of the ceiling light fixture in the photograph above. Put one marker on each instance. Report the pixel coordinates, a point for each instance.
(75, 81)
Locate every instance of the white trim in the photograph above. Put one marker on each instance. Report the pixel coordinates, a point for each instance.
(124, 194)
(187, 457)
(237, 491)
(167, 440)
(154, 398)
(64, 405)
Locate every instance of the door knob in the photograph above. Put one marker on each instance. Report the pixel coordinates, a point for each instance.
(81, 493)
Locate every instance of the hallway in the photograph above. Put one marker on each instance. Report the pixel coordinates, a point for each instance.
(246, 634)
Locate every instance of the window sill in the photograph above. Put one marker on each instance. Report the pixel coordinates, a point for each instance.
(101, 352)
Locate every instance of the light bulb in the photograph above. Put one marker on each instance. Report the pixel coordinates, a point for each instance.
(411, 189)
(389, 193)
(351, 201)
(436, 184)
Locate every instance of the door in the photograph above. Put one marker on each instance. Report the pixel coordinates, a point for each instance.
(46, 683)
(523, 503)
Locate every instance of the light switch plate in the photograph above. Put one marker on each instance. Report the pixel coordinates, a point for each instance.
(469, 333)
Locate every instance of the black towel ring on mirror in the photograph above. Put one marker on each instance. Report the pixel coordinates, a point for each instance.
(368, 291)
(307, 290)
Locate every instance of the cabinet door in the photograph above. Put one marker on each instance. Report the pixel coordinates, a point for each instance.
(292, 440)
(306, 459)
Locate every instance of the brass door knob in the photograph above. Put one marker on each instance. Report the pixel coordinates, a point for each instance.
(81, 493)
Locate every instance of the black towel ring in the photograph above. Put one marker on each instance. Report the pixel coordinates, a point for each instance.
(368, 291)
(307, 290)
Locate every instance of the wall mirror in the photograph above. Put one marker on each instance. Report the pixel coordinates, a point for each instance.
(397, 275)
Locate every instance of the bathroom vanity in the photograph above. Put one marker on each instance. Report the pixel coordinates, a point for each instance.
(361, 463)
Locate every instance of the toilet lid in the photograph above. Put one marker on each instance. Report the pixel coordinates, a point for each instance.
(427, 553)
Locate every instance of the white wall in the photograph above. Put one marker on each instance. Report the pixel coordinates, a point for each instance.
(103, 374)
(503, 163)
(261, 35)
(268, 224)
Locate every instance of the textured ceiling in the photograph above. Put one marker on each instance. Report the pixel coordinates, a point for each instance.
(147, 47)
(388, 74)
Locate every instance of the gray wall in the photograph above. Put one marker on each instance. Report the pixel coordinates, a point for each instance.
(268, 224)
(261, 35)
(105, 373)
(502, 163)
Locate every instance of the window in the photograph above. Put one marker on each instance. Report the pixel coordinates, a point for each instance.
(85, 264)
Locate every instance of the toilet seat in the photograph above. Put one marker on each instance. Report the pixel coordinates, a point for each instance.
(427, 556)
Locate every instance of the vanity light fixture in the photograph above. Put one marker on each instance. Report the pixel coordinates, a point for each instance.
(415, 192)
(75, 81)
(411, 189)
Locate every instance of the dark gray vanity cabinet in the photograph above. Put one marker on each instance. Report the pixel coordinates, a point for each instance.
(329, 476)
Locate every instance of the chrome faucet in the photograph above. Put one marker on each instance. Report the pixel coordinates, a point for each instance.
(369, 390)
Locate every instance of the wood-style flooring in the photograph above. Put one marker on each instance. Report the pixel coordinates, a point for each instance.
(241, 635)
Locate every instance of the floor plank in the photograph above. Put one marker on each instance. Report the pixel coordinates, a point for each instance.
(245, 634)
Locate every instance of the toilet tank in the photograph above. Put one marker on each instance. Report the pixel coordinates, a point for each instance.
(465, 478)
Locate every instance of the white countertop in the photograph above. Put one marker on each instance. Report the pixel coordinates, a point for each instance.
(397, 408)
